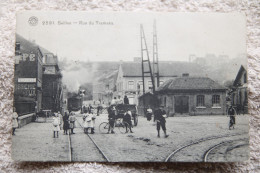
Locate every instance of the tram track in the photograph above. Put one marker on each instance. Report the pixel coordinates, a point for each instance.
(70, 148)
(178, 150)
(95, 144)
(209, 151)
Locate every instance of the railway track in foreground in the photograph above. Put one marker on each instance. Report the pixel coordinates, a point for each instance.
(102, 154)
(232, 144)
(180, 149)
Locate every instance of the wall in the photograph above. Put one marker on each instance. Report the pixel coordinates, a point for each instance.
(193, 109)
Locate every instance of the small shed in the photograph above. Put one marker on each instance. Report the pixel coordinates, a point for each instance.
(192, 96)
(147, 100)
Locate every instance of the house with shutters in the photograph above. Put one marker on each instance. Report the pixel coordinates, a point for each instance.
(192, 96)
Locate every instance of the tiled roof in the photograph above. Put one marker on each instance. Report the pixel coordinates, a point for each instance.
(190, 83)
(166, 69)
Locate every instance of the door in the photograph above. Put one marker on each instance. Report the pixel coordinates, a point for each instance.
(181, 104)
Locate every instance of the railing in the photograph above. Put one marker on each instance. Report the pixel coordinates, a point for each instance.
(25, 119)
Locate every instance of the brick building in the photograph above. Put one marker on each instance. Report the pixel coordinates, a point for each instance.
(28, 76)
(52, 84)
(193, 96)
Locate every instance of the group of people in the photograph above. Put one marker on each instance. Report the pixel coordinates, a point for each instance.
(68, 121)
(89, 121)
(160, 119)
(127, 120)
(160, 115)
(120, 101)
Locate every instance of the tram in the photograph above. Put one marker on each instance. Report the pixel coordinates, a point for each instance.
(75, 103)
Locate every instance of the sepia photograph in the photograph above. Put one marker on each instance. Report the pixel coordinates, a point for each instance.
(130, 87)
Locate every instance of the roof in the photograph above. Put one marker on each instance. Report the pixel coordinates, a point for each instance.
(44, 51)
(190, 83)
(166, 69)
(26, 46)
(239, 74)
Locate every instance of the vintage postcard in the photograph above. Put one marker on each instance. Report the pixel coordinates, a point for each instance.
(130, 87)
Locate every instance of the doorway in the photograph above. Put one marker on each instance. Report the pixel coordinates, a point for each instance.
(181, 104)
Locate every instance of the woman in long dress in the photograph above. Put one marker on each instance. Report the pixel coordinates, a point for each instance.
(66, 124)
(72, 120)
(14, 122)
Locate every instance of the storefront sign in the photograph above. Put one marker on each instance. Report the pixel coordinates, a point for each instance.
(27, 80)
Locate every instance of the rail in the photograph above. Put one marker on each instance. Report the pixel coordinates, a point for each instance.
(207, 153)
(99, 149)
(197, 142)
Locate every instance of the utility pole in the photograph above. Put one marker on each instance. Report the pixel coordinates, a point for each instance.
(156, 74)
(145, 61)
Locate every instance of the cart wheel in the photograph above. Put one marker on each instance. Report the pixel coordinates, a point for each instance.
(122, 127)
(103, 127)
(136, 121)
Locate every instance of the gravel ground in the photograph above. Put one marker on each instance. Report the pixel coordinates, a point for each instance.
(34, 142)
(143, 144)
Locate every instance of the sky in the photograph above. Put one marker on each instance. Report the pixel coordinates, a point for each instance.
(179, 34)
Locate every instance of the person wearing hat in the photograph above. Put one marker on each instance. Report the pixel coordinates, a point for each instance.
(231, 113)
(159, 116)
(111, 119)
(127, 120)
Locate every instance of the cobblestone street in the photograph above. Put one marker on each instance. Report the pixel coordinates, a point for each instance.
(36, 140)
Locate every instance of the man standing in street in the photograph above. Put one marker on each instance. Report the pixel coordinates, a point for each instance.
(159, 116)
(231, 113)
(126, 100)
(111, 119)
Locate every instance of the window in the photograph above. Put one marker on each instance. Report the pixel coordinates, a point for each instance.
(216, 101)
(130, 85)
(200, 100)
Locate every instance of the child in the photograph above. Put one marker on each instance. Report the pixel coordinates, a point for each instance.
(149, 114)
(88, 123)
(56, 125)
(15, 122)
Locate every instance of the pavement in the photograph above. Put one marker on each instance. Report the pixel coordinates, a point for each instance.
(35, 142)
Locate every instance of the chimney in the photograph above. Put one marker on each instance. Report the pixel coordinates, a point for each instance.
(185, 74)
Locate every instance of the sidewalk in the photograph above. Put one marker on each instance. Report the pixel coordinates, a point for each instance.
(35, 142)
